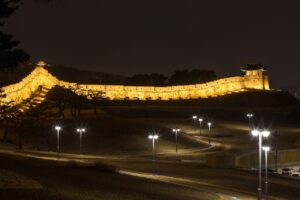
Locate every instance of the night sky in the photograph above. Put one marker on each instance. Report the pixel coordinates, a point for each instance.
(140, 36)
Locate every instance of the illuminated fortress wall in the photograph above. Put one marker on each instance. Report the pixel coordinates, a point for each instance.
(40, 77)
(23, 90)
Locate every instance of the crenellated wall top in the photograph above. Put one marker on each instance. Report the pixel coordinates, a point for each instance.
(40, 77)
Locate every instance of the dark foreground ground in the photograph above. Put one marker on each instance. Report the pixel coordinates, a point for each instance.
(132, 179)
(35, 179)
(118, 136)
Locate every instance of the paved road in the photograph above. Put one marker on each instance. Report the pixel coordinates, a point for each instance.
(46, 178)
(59, 180)
(131, 179)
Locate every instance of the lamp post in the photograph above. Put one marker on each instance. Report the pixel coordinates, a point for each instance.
(275, 136)
(153, 137)
(200, 123)
(209, 124)
(80, 131)
(176, 131)
(266, 149)
(260, 134)
(194, 118)
(250, 116)
(57, 128)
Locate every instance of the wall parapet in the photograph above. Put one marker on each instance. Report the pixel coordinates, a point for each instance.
(40, 77)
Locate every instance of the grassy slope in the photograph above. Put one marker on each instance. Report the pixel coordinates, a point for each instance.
(122, 127)
(111, 135)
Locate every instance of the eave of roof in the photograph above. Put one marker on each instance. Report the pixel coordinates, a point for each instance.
(252, 67)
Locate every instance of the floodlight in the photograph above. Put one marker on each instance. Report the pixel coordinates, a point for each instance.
(266, 133)
(266, 148)
(255, 132)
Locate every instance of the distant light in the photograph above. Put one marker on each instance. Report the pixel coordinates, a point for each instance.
(57, 128)
(41, 63)
(155, 137)
(176, 130)
(209, 123)
(266, 148)
(266, 133)
(194, 116)
(81, 130)
(255, 132)
(200, 120)
(250, 115)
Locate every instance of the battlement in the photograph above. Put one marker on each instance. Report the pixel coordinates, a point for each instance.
(40, 77)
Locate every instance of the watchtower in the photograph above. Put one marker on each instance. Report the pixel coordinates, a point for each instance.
(255, 76)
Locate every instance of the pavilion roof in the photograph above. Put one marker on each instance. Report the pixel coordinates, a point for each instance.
(250, 67)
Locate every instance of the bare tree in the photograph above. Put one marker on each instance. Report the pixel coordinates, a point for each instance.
(58, 98)
(35, 115)
(8, 114)
(95, 97)
(76, 99)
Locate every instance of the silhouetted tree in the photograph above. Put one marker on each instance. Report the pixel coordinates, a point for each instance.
(22, 117)
(8, 114)
(95, 97)
(180, 77)
(138, 79)
(76, 100)
(183, 77)
(33, 116)
(58, 97)
(201, 76)
(10, 57)
(158, 79)
(146, 80)
(8, 7)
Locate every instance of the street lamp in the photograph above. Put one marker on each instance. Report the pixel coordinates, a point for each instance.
(266, 149)
(200, 122)
(80, 131)
(250, 116)
(209, 124)
(57, 128)
(176, 131)
(260, 134)
(194, 118)
(153, 137)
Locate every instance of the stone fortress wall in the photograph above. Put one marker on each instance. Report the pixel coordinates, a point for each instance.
(40, 77)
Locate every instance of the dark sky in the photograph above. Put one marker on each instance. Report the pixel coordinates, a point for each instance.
(141, 36)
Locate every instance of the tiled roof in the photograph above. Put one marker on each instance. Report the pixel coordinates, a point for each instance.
(253, 67)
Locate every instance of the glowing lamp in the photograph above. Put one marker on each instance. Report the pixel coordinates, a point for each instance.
(41, 63)
(176, 130)
(153, 137)
(266, 133)
(250, 115)
(255, 132)
(266, 148)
